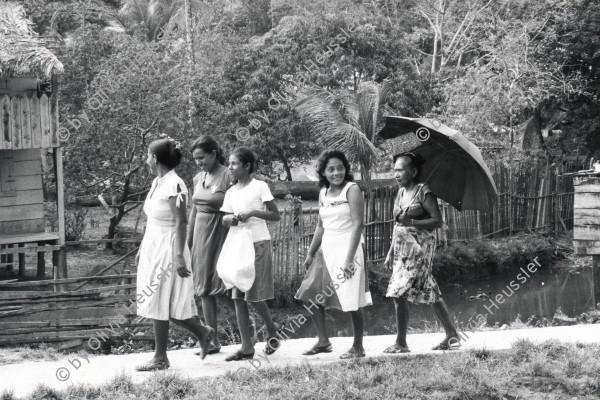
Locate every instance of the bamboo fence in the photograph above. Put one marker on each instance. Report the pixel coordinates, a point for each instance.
(533, 197)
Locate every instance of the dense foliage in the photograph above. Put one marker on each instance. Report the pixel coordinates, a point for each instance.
(482, 67)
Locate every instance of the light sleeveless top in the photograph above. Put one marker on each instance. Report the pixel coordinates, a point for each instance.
(335, 211)
(157, 206)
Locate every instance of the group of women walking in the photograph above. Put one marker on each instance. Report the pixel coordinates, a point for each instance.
(336, 267)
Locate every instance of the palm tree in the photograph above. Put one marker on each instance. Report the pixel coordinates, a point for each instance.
(348, 122)
(22, 51)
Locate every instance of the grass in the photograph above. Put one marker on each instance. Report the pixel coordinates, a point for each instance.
(551, 370)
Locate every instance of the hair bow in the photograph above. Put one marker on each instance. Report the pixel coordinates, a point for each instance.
(165, 136)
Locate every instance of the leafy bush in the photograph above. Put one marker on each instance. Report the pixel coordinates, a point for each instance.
(481, 258)
(75, 220)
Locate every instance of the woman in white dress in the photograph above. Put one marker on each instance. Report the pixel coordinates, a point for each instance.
(165, 287)
(338, 278)
(249, 201)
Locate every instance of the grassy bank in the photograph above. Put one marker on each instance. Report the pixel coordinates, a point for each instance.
(548, 371)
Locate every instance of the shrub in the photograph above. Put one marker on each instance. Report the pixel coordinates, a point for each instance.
(75, 220)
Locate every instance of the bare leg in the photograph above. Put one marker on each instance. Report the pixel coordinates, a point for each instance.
(243, 319)
(193, 325)
(209, 309)
(202, 332)
(262, 310)
(402, 315)
(357, 326)
(318, 319)
(443, 315)
(161, 339)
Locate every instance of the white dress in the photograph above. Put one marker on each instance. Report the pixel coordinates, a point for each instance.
(161, 292)
(352, 293)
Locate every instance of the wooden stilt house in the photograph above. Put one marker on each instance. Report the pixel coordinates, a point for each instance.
(28, 131)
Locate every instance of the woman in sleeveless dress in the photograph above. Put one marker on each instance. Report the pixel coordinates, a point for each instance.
(410, 256)
(165, 287)
(206, 232)
(336, 275)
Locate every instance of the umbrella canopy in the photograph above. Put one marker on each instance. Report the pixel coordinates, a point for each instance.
(454, 168)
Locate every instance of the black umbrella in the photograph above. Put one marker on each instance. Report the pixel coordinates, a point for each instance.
(454, 168)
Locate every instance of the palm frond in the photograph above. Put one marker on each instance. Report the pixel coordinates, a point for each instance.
(331, 129)
(21, 50)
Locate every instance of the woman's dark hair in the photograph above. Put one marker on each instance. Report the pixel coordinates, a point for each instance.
(207, 144)
(246, 156)
(322, 164)
(167, 153)
(416, 161)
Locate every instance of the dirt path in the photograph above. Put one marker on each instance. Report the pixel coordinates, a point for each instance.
(96, 370)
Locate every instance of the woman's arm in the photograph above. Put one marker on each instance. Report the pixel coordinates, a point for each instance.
(357, 211)
(434, 221)
(315, 244)
(271, 215)
(180, 215)
(190, 228)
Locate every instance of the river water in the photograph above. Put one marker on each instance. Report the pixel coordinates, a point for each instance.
(539, 297)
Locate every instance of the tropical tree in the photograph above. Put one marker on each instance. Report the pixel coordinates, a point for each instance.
(348, 122)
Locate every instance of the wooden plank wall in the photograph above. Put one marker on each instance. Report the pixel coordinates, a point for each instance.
(28, 122)
(23, 212)
(586, 230)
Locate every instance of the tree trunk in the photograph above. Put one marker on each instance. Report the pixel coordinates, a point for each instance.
(286, 165)
(189, 40)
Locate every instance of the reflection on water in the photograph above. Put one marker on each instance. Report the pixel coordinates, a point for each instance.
(539, 297)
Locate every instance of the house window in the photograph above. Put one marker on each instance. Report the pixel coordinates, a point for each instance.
(7, 180)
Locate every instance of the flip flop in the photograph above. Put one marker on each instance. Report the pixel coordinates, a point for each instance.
(239, 356)
(157, 366)
(445, 345)
(353, 353)
(318, 349)
(393, 349)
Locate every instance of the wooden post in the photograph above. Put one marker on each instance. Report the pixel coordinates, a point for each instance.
(60, 206)
(9, 259)
(596, 274)
(41, 263)
(22, 261)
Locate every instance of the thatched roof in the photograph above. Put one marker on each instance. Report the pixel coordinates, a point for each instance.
(21, 50)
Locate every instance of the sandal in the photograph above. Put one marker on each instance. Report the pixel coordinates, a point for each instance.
(269, 348)
(211, 350)
(353, 353)
(206, 342)
(153, 366)
(447, 345)
(395, 349)
(318, 349)
(239, 356)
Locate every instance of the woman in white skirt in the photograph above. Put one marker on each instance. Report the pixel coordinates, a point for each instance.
(338, 278)
(165, 287)
(250, 202)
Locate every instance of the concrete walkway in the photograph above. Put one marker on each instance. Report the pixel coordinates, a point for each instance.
(96, 370)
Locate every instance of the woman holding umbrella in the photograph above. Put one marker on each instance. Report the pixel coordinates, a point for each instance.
(410, 256)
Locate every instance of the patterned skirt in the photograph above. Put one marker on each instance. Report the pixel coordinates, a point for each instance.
(412, 276)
